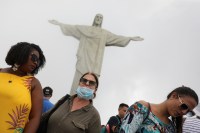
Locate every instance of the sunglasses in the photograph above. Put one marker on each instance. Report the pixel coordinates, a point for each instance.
(34, 58)
(183, 106)
(90, 82)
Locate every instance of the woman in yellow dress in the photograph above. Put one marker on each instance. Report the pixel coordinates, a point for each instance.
(20, 92)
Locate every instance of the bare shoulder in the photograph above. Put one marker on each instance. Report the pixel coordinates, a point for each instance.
(35, 80)
(144, 103)
(35, 83)
(5, 70)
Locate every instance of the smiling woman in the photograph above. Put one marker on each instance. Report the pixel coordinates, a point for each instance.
(20, 92)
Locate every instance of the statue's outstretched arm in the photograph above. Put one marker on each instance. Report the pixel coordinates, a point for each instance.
(55, 22)
(136, 38)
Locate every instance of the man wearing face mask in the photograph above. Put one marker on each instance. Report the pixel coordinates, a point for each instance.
(77, 114)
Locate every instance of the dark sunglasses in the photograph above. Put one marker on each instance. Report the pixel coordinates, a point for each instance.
(183, 106)
(91, 83)
(34, 58)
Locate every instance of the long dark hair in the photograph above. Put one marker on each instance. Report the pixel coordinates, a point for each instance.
(182, 91)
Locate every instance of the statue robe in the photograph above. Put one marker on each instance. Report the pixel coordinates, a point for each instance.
(91, 47)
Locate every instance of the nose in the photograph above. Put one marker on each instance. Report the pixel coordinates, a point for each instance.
(87, 83)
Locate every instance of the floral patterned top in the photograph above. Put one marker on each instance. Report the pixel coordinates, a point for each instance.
(139, 119)
(15, 102)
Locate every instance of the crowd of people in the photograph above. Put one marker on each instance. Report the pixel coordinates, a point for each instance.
(21, 96)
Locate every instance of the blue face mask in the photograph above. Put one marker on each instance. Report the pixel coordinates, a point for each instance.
(85, 93)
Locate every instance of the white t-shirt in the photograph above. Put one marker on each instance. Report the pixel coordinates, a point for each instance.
(191, 125)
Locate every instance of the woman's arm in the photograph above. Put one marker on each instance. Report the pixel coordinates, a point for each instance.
(134, 117)
(36, 110)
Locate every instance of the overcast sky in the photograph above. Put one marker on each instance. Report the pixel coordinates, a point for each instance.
(147, 70)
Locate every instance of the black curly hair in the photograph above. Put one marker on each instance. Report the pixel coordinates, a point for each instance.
(19, 54)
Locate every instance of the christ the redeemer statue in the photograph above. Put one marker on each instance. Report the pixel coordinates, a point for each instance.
(93, 40)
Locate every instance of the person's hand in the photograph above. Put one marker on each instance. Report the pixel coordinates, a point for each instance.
(116, 129)
(54, 22)
(137, 38)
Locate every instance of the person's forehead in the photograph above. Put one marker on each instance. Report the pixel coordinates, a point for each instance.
(124, 108)
(34, 51)
(89, 76)
(189, 101)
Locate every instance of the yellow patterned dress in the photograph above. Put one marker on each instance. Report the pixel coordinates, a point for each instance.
(15, 102)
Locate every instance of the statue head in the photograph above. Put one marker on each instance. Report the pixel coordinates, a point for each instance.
(98, 20)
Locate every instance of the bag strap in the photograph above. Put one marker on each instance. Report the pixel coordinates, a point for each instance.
(119, 119)
(60, 102)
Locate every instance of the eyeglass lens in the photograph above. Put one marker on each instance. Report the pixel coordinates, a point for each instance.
(34, 58)
(91, 83)
(184, 106)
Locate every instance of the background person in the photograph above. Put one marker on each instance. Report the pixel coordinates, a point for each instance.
(93, 40)
(191, 123)
(115, 121)
(154, 118)
(20, 92)
(77, 114)
(47, 94)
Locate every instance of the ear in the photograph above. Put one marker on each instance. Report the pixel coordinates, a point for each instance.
(174, 95)
(94, 94)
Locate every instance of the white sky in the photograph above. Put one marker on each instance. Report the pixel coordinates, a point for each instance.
(167, 58)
